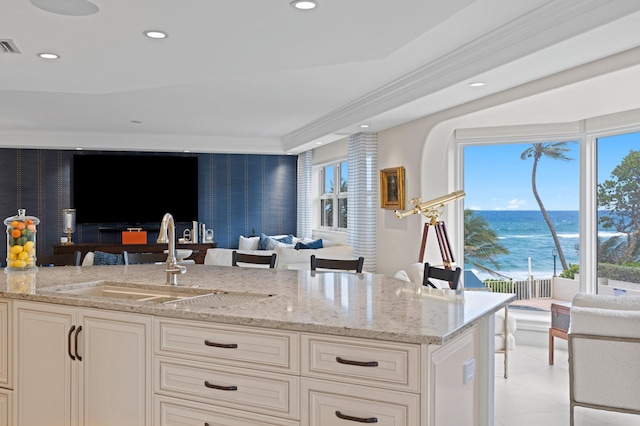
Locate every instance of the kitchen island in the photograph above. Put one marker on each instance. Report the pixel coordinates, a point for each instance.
(288, 348)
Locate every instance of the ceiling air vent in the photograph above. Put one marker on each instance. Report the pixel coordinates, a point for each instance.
(8, 46)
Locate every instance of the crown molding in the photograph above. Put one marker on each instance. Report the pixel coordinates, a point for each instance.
(545, 26)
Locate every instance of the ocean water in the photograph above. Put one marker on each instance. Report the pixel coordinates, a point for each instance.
(526, 235)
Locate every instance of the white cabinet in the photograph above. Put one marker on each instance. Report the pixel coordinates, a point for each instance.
(6, 385)
(6, 398)
(346, 381)
(452, 385)
(213, 374)
(5, 354)
(81, 366)
(337, 404)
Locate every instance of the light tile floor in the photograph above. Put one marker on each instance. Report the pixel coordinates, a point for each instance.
(537, 394)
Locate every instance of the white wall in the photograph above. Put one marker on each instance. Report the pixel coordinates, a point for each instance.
(426, 147)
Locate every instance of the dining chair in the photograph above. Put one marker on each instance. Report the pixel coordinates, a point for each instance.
(255, 259)
(452, 276)
(67, 259)
(142, 258)
(337, 264)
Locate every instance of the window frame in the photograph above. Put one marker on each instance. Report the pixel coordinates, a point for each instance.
(336, 196)
(587, 138)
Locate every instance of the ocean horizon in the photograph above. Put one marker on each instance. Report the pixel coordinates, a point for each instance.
(525, 234)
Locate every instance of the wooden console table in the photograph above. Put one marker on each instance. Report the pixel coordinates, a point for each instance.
(199, 250)
(560, 317)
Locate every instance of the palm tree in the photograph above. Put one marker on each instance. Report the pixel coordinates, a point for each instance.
(555, 151)
(481, 243)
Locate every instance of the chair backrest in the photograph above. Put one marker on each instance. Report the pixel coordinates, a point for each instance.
(140, 258)
(256, 259)
(452, 276)
(68, 259)
(339, 264)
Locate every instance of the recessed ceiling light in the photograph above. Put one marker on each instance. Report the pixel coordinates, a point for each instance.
(476, 84)
(156, 34)
(79, 149)
(47, 55)
(364, 126)
(136, 121)
(319, 143)
(304, 4)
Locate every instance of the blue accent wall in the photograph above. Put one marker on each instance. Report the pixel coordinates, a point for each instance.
(238, 194)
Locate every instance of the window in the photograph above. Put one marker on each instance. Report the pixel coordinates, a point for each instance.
(531, 205)
(606, 249)
(619, 212)
(333, 198)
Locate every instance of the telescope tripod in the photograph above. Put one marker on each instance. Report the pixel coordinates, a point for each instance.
(443, 243)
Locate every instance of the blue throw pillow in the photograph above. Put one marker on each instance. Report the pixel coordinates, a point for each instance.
(102, 258)
(317, 244)
(267, 243)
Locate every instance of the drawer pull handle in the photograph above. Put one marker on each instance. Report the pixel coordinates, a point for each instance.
(78, 330)
(73, 358)
(221, 345)
(358, 363)
(356, 419)
(224, 388)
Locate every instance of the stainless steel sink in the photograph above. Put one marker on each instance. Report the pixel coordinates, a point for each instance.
(186, 297)
(126, 291)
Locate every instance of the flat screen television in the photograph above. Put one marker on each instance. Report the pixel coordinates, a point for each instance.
(134, 189)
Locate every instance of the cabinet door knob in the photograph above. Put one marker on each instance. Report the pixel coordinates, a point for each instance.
(341, 360)
(356, 419)
(221, 345)
(73, 327)
(224, 388)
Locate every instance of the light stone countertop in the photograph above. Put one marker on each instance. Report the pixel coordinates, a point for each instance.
(346, 304)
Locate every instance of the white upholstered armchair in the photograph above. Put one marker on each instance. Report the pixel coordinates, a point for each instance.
(604, 353)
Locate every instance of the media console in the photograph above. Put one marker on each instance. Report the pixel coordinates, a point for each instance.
(199, 249)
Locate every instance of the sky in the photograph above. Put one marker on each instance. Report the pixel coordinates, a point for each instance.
(495, 178)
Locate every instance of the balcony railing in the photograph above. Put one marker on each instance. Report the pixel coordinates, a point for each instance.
(526, 289)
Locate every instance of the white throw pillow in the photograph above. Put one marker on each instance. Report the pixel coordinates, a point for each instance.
(248, 243)
(88, 259)
(416, 272)
(402, 275)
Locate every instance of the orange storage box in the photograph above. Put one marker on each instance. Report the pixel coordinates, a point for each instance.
(134, 236)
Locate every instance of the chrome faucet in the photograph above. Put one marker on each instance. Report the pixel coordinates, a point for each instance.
(168, 235)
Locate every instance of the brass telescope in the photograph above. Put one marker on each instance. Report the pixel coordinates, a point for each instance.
(431, 209)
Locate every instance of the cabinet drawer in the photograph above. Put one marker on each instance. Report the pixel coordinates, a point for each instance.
(175, 412)
(333, 404)
(261, 392)
(361, 361)
(248, 347)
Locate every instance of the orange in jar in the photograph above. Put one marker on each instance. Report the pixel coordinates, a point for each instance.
(16, 233)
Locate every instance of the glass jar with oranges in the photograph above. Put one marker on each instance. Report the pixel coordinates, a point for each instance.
(21, 241)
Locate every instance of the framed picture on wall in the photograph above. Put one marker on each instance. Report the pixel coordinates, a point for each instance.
(392, 188)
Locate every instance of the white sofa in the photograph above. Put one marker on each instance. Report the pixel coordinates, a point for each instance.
(288, 257)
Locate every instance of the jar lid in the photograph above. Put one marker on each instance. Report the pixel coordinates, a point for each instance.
(21, 216)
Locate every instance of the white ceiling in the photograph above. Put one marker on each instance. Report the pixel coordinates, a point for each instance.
(260, 76)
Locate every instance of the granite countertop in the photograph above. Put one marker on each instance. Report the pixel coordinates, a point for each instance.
(345, 304)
